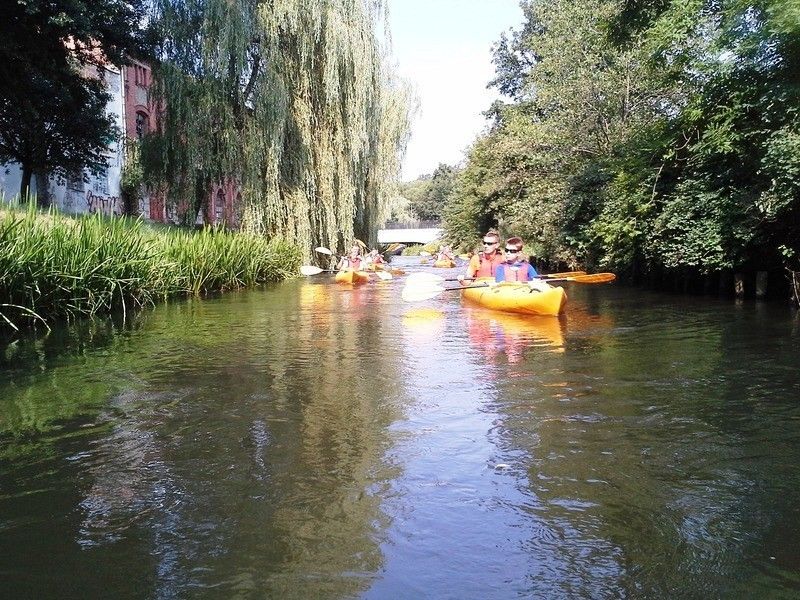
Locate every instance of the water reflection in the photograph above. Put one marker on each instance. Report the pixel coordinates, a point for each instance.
(496, 333)
(314, 440)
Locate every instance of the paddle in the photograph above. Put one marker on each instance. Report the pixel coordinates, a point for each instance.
(423, 286)
(312, 270)
(425, 276)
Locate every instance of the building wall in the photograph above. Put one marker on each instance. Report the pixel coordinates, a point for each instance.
(141, 117)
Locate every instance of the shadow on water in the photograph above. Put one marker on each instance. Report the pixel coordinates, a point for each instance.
(314, 440)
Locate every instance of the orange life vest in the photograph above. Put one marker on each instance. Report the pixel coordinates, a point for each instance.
(488, 265)
(516, 272)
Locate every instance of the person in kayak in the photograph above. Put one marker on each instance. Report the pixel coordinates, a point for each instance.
(484, 264)
(375, 258)
(445, 253)
(352, 261)
(516, 268)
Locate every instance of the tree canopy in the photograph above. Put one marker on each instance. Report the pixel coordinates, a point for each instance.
(657, 137)
(429, 194)
(293, 101)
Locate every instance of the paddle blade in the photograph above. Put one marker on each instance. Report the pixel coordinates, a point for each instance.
(593, 278)
(418, 294)
(422, 278)
(383, 275)
(310, 270)
(323, 250)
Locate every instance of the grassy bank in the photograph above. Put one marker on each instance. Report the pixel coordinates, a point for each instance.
(53, 266)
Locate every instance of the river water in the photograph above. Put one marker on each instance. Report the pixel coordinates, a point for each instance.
(317, 441)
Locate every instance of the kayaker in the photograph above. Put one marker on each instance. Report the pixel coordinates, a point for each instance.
(445, 253)
(484, 264)
(375, 257)
(352, 261)
(516, 268)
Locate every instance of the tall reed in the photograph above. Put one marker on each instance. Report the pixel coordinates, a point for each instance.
(53, 266)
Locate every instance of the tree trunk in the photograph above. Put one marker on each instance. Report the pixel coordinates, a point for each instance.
(25, 184)
(201, 192)
(42, 189)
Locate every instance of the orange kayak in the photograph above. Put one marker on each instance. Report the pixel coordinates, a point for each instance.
(518, 298)
(352, 277)
(445, 264)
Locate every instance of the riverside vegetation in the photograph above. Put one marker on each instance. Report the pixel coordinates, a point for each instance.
(53, 266)
(660, 140)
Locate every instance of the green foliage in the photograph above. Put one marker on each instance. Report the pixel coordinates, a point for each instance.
(291, 100)
(429, 196)
(132, 173)
(657, 136)
(55, 266)
(417, 249)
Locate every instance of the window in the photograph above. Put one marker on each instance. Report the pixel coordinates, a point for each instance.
(142, 124)
(218, 207)
(75, 180)
(100, 185)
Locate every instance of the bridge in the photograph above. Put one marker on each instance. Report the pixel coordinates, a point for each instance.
(410, 232)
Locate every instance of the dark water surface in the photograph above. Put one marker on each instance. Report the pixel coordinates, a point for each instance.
(316, 441)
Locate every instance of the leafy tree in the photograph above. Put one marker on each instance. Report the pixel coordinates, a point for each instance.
(292, 101)
(653, 137)
(52, 106)
(433, 197)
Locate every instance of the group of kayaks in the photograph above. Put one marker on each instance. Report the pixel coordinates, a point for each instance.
(519, 298)
(538, 297)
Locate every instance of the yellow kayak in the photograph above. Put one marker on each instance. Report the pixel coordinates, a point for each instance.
(352, 277)
(518, 298)
(445, 264)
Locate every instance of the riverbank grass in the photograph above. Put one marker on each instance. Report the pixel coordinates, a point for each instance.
(55, 266)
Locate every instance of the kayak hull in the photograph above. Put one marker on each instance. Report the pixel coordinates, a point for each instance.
(518, 298)
(444, 264)
(352, 277)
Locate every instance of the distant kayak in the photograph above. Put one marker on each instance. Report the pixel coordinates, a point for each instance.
(517, 298)
(352, 277)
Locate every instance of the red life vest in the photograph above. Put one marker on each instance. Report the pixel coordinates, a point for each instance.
(516, 272)
(488, 265)
(353, 263)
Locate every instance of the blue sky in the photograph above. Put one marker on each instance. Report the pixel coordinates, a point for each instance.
(443, 47)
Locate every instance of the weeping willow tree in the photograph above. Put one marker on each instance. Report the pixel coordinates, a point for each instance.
(290, 99)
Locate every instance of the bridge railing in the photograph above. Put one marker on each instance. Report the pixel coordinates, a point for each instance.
(412, 225)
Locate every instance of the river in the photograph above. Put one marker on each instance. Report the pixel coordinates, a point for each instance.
(311, 440)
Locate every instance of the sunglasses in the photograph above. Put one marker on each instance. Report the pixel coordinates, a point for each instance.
(512, 250)
(488, 243)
